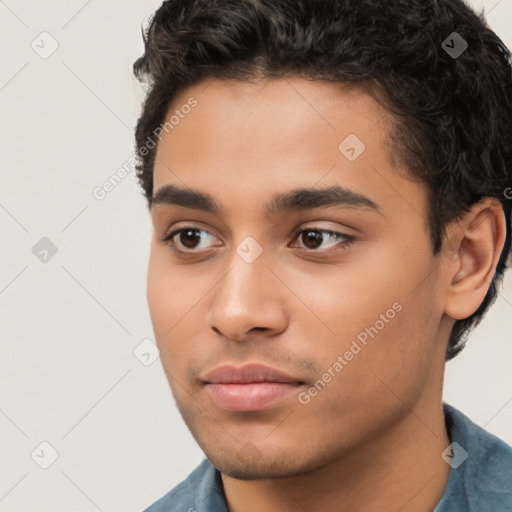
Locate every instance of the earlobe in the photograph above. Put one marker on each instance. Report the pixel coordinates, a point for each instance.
(473, 246)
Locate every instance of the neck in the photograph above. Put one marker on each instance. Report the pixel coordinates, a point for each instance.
(401, 470)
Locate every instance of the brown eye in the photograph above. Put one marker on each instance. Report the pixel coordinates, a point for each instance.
(189, 238)
(313, 239)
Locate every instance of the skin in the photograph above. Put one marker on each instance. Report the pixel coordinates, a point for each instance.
(372, 438)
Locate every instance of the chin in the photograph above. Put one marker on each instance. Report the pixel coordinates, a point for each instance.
(243, 466)
(248, 471)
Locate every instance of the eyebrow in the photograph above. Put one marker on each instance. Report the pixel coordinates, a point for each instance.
(293, 200)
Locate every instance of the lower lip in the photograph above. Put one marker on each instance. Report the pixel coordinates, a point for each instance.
(250, 397)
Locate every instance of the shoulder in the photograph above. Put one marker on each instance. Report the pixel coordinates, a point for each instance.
(184, 496)
(483, 475)
(487, 450)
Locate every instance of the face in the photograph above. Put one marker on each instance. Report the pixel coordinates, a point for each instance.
(297, 306)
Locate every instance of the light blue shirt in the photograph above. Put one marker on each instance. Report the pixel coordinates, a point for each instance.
(480, 477)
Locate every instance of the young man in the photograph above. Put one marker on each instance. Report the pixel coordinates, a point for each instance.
(329, 184)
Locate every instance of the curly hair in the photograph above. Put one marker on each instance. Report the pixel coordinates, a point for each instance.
(452, 114)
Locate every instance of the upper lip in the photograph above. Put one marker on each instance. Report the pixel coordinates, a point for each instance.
(246, 374)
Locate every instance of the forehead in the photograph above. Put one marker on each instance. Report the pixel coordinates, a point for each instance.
(286, 116)
(274, 135)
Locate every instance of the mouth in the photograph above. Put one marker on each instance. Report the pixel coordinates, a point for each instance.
(252, 387)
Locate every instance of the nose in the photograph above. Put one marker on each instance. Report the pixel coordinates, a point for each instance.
(248, 299)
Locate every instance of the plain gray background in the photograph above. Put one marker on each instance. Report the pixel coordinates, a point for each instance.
(70, 324)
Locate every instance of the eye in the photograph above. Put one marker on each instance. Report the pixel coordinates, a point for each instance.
(189, 238)
(314, 238)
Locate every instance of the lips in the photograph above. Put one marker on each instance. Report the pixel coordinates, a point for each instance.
(247, 374)
(251, 387)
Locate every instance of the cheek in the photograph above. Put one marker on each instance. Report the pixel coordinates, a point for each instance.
(176, 309)
(159, 293)
(170, 293)
(385, 325)
(167, 300)
(379, 367)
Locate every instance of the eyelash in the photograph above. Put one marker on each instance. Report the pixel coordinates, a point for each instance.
(349, 240)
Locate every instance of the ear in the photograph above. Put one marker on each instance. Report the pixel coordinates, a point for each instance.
(472, 248)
